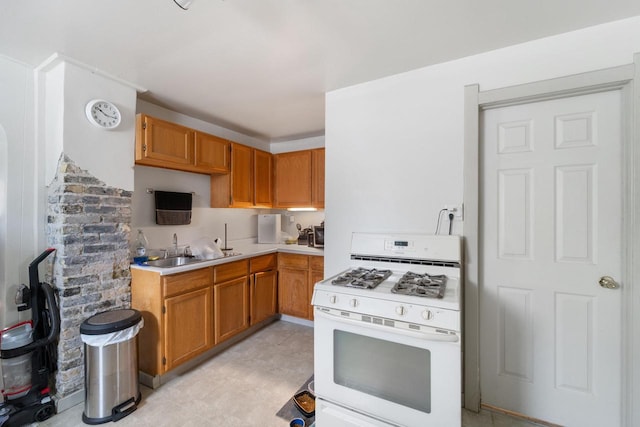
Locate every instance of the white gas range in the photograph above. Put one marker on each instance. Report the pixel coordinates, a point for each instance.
(388, 334)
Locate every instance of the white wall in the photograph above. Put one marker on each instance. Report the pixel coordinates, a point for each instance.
(42, 114)
(106, 154)
(394, 147)
(18, 216)
(205, 221)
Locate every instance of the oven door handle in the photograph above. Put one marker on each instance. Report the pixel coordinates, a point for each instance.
(426, 336)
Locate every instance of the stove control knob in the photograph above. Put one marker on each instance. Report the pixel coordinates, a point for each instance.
(333, 299)
(427, 315)
(353, 302)
(401, 310)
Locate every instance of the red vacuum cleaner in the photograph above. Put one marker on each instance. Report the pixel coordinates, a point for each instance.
(28, 354)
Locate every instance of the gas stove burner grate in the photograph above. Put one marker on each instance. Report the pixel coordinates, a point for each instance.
(422, 285)
(364, 278)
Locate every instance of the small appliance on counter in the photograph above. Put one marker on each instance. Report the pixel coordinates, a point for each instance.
(269, 228)
(316, 237)
(303, 235)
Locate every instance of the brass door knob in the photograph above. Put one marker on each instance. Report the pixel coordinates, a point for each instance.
(608, 282)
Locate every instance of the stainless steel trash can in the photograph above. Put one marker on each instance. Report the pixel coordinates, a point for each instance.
(111, 383)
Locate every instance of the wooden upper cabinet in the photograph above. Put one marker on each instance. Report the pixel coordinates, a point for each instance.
(263, 178)
(164, 144)
(317, 178)
(299, 179)
(250, 183)
(211, 154)
(293, 179)
(168, 145)
(241, 176)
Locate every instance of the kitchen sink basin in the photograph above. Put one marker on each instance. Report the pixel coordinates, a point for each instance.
(183, 260)
(173, 261)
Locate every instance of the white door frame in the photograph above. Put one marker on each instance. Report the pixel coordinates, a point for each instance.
(626, 78)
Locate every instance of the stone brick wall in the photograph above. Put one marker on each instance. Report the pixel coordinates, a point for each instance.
(88, 223)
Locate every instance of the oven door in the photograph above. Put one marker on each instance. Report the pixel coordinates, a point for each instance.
(395, 375)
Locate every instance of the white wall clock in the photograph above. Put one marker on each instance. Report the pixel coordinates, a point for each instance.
(103, 114)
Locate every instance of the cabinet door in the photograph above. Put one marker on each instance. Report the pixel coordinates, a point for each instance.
(317, 177)
(293, 292)
(231, 301)
(211, 154)
(263, 173)
(163, 144)
(187, 326)
(264, 288)
(241, 176)
(293, 179)
(316, 274)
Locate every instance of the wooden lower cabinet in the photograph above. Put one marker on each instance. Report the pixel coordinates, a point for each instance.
(264, 291)
(186, 314)
(231, 301)
(187, 326)
(178, 317)
(297, 275)
(316, 276)
(293, 292)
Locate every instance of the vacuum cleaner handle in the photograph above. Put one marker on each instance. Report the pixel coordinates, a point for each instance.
(34, 279)
(54, 312)
(53, 333)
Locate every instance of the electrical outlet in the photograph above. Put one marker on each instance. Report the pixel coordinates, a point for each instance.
(456, 210)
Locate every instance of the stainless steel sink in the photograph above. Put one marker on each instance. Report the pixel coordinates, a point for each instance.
(173, 261)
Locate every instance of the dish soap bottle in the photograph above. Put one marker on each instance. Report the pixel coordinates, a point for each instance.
(140, 248)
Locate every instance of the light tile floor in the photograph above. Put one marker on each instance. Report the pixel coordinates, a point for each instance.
(243, 386)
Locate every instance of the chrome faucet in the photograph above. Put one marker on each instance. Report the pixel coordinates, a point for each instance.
(175, 244)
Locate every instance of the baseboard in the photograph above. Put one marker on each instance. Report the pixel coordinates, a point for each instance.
(66, 402)
(298, 320)
(517, 415)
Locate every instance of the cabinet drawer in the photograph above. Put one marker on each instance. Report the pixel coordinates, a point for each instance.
(293, 261)
(182, 282)
(262, 263)
(317, 263)
(232, 270)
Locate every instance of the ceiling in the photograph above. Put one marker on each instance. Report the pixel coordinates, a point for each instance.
(262, 67)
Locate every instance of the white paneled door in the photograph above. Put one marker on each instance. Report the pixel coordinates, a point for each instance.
(550, 313)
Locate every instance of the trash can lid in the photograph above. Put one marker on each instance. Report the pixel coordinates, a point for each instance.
(110, 321)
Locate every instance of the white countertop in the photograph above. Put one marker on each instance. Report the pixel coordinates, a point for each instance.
(247, 249)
